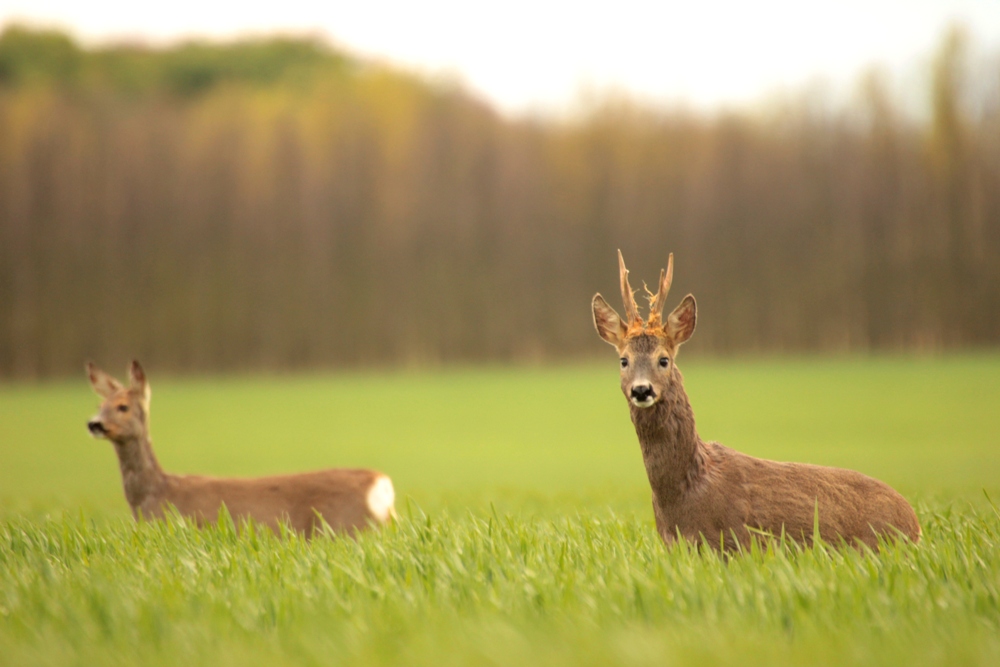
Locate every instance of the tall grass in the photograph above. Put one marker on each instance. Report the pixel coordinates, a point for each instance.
(588, 588)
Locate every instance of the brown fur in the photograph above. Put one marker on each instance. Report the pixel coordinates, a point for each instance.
(339, 496)
(704, 491)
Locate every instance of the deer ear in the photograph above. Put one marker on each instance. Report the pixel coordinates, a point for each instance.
(680, 323)
(137, 377)
(104, 385)
(607, 322)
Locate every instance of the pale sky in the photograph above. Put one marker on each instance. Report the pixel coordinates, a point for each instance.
(538, 55)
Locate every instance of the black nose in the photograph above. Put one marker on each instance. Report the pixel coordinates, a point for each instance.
(641, 392)
(95, 427)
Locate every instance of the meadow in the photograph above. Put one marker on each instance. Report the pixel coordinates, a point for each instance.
(525, 536)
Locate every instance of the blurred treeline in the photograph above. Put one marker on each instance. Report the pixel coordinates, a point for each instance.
(278, 204)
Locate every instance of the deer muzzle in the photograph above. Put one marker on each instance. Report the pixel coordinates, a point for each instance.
(642, 394)
(96, 428)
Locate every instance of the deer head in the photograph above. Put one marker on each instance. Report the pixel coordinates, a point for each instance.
(125, 411)
(646, 349)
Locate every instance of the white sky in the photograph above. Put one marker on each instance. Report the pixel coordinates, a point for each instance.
(538, 55)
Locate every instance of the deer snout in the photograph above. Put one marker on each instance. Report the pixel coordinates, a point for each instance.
(642, 394)
(96, 427)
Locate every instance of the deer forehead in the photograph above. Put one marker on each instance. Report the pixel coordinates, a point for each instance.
(122, 397)
(646, 344)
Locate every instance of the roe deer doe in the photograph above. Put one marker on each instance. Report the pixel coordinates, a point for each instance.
(704, 491)
(346, 499)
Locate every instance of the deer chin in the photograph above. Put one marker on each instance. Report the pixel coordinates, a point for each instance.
(644, 403)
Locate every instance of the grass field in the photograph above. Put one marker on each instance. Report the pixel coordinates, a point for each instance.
(526, 535)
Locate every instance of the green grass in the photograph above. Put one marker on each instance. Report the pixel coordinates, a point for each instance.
(587, 588)
(526, 535)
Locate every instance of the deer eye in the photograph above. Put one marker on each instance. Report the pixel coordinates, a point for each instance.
(664, 362)
(122, 408)
(624, 362)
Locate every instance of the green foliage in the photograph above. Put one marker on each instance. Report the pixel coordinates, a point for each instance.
(30, 57)
(194, 67)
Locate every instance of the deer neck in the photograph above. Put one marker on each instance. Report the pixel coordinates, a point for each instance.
(673, 453)
(142, 475)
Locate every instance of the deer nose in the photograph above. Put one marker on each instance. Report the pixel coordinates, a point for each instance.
(96, 427)
(642, 392)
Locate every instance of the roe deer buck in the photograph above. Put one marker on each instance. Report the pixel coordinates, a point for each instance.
(704, 491)
(346, 499)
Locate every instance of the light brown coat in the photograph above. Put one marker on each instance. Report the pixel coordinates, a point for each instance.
(346, 499)
(705, 492)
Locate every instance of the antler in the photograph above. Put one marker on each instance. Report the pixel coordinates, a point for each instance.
(631, 310)
(657, 301)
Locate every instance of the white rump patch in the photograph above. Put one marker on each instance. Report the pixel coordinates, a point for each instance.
(381, 499)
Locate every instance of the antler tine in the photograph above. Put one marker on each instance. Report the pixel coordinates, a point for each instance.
(657, 302)
(631, 310)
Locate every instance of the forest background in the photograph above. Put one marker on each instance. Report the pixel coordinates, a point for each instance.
(278, 204)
